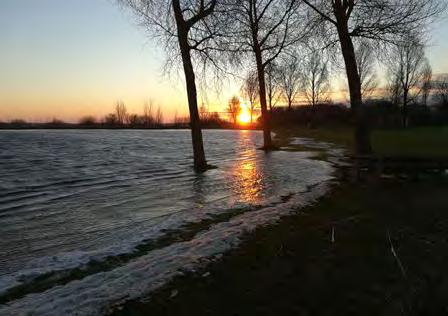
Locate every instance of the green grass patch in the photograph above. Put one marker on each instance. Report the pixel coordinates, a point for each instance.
(423, 142)
(413, 142)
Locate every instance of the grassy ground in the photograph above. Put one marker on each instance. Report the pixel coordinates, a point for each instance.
(377, 248)
(426, 142)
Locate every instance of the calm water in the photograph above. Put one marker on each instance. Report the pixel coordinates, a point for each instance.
(69, 197)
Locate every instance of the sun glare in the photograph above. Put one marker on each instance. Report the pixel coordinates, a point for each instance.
(244, 116)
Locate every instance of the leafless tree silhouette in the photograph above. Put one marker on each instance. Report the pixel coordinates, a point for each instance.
(407, 67)
(249, 90)
(426, 84)
(316, 84)
(273, 91)
(264, 29)
(289, 76)
(365, 60)
(148, 117)
(186, 27)
(121, 113)
(441, 90)
(382, 21)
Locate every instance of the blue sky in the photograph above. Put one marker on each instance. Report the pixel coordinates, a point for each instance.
(65, 59)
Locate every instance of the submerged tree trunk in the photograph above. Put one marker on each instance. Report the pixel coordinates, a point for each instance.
(362, 131)
(200, 164)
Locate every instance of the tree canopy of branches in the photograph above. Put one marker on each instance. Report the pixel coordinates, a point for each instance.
(316, 83)
(249, 90)
(273, 90)
(289, 76)
(382, 21)
(186, 27)
(426, 83)
(441, 90)
(263, 29)
(121, 113)
(366, 68)
(407, 68)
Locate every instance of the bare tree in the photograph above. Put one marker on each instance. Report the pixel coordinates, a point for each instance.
(407, 65)
(316, 84)
(365, 61)
(426, 84)
(121, 112)
(273, 91)
(394, 90)
(441, 90)
(234, 109)
(249, 90)
(290, 76)
(148, 117)
(378, 20)
(264, 29)
(187, 26)
(159, 116)
(88, 120)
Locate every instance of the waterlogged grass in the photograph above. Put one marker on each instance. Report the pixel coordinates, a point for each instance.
(424, 142)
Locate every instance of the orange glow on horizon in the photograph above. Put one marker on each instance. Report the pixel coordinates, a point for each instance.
(244, 116)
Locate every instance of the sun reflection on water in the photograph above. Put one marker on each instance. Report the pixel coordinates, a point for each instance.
(249, 181)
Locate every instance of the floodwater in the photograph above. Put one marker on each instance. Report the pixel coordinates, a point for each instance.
(70, 199)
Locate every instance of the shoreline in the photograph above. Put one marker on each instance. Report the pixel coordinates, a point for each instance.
(368, 248)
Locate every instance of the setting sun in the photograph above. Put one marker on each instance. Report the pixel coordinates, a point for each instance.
(244, 116)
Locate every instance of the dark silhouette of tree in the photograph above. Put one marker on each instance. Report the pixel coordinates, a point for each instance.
(111, 120)
(408, 66)
(382, 21)
(426, 84)
(158, 120)
(135, 120)
(441, 90)
(394, 90)
(289, 77)
(316, 84)
(148, 117)
(249, 90)
(365, 60)
(121, 113)
(186, 26)
(234, 109)
(263, 29)
(87, 120)
(273, 91)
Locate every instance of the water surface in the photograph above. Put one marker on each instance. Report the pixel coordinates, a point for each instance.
(68, 197)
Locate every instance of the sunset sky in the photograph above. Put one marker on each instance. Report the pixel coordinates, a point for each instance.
(67, 59)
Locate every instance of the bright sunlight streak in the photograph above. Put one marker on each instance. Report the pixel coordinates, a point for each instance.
(244, 116)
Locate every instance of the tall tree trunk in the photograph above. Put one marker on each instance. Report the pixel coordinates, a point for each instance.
(200, 164)
(404, 109)
(362, 131)
(265, 118)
